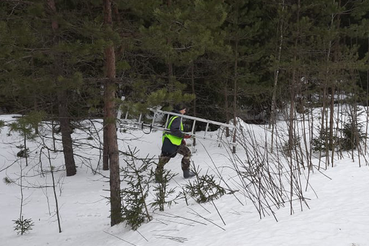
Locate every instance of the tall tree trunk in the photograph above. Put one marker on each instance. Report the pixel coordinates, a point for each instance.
(235, 81)
(109, 119)
(105, 139)
(327, 85)
(273, 113)
(169, 64)
(333, 89)
(331, 123)
(66, 133)
(226, 103)
(64, 120)
(292, 139)
(367, 109)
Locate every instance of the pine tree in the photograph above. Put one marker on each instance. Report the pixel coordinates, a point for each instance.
(171, 40)
(110, 135)
(50, 51)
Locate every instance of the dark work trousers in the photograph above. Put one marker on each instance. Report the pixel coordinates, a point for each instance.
(182, 150)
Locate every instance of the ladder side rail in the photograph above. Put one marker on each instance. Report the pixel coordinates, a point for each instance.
(166, 122)
(197, 118)
(153, 119)
(193, 127)
(217, 139)
(206, 129)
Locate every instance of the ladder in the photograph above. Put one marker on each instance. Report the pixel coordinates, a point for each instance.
(156, 123)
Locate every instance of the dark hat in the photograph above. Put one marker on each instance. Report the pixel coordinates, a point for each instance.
(179, 106)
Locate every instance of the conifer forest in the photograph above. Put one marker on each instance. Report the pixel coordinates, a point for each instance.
(256, 61)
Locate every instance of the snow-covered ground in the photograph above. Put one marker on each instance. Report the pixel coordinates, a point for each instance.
(337, 212)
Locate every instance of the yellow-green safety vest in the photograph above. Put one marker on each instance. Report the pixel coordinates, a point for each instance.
(173, 139)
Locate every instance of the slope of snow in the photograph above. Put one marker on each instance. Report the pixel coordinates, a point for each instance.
(337, 211)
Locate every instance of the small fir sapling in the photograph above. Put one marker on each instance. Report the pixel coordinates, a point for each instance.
(204, 189)
(137, 177)
(352, 135)
(163, 193)
(23, 225)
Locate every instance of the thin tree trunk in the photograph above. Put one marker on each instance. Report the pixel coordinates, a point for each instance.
(291, 138)
(66, 133)
(273, 113)
(338, 122)
(367, 109)
(169, 42)
(333, 89)
(325, 88)
(25, 148)
(291, 133)
(35, 108)
(54, 191)
(331, 125)
(226, 103)
(105, 138)
(109, 119)
(235, 80)
(63, 106)
(322, 128)
(53, 134)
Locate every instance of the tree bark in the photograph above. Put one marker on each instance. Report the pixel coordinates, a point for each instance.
(235, 81)
(226, 103)
(273, 113)
(109, 119)
(66, 133)
(105, 145)
(64, 120)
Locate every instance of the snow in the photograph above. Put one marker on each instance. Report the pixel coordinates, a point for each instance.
(337, 199)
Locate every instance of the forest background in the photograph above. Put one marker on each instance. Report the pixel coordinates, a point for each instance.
(256, 60)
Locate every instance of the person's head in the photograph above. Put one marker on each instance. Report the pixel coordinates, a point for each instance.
(181, 108)
(183, 111)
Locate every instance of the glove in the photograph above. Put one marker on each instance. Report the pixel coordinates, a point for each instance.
(187, 136)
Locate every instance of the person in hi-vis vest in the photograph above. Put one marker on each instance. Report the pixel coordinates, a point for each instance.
(173, 143)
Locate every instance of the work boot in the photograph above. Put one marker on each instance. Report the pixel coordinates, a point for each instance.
(188, 174)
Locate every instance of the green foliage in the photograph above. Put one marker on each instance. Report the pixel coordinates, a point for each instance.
(142, 98)
(70, 83)
(33, 118)
(291, 145)
(25, 130)
(39, 62)
(321, 142)
(122, 66)
(23, 153)
(163, 96)
(188, 28)
(136, 176)
(210, 52)
(318, 143)
(204, 189)
(164, 195)
(352, 136)
(26, 124)
(23, 225)
(8, 181)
